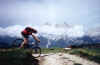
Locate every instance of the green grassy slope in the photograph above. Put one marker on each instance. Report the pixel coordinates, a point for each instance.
(91, 54)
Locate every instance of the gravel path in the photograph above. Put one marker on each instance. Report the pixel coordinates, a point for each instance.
(64, 59)
(76, 60)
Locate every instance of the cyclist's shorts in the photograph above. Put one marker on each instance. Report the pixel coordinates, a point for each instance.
(24, 35)
(26, 46)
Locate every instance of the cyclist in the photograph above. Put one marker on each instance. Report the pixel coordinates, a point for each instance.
(26, 33)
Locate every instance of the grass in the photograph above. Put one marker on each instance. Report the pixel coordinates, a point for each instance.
(91, 54)
(15, 57)
(52, 50)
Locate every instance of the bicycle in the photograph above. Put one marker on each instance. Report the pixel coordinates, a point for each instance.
(36, 50)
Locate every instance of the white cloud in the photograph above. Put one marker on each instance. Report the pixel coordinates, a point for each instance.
(49, 31)
(11, 31)
(94, 31)
(23, 12)
(76, 31)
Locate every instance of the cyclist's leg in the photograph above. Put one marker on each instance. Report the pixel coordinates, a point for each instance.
(25, 42)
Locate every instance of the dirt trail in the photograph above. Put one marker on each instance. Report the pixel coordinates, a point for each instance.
(64, 59)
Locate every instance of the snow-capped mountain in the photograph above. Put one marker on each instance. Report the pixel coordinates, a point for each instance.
(53, 35)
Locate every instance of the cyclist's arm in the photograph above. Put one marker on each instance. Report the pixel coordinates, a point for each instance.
(35, 37)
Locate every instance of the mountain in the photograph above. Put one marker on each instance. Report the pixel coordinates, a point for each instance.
(56, 35)
(6, 41)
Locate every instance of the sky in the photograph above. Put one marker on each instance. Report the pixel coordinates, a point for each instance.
(23, 12)
(83, 13)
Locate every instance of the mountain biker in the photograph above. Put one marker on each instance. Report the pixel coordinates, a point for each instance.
(26, 33)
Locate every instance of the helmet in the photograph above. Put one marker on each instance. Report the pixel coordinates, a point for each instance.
(30, 29)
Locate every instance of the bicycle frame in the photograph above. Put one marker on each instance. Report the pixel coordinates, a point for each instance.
(35, 47)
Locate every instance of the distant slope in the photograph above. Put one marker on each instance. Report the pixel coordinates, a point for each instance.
(51, 43)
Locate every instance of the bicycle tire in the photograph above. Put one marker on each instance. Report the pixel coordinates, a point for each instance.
(36, 52)
(17, 42)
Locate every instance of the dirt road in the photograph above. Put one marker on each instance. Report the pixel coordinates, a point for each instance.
(64, 59)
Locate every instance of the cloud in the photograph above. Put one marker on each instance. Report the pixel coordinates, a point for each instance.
(16, 13)
(23, 12)
(11, 31)
(94, 32)
(76, 31)
(52, 31)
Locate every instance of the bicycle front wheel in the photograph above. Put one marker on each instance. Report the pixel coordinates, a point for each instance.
(36, 52)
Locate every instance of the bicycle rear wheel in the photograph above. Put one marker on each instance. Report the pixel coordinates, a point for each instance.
(36, 52)
(17, 42)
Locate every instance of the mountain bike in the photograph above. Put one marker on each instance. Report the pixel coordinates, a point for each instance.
(36, 50)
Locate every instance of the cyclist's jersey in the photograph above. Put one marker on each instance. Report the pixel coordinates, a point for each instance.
(26, 32)
(29, 31)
